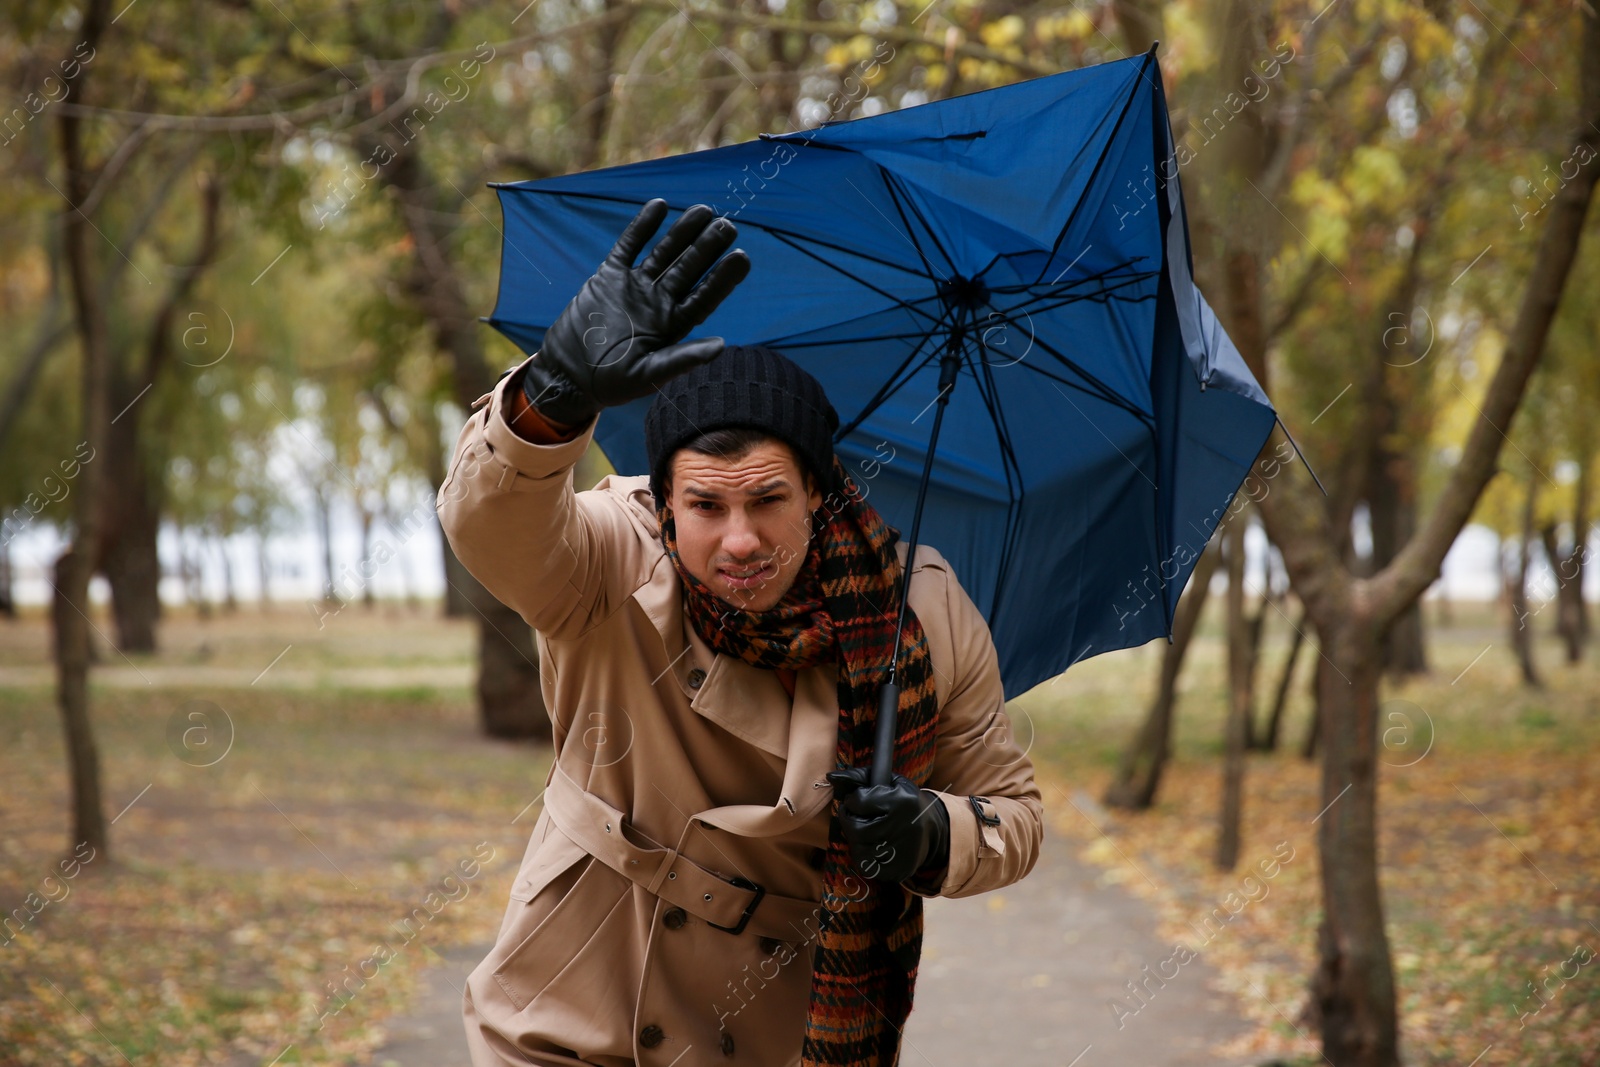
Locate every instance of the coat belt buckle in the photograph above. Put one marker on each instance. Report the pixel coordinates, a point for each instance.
(743, 883)
(984, 816)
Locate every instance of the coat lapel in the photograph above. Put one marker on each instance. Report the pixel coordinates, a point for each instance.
(812, 742)
(741, 699)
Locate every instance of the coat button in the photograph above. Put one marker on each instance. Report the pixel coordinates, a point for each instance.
(674, 918)
(818, 857)
(770, 945)
(651, 1036)
(696, 677)
(727, 1043)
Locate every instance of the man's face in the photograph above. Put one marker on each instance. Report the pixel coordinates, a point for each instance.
(747, 515)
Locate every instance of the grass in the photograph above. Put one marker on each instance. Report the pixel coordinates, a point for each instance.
(263, 857)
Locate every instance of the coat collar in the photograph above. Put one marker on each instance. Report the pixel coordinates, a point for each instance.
(739, 697)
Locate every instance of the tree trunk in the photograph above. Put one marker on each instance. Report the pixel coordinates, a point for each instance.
(130, 561)
(1254, 626)
(8, 604)
(324, 508)
(1517, 590)
(1352, 989)
(70, 607)
(1139, 773)
(1269, 740)
(1406, 651)
(194, 568)
(1391, 493)
(1308, 747)
(368, 599)
(1580, 556)
(127, 550)
(1572, 615)
(511, 702)
(1228, 819)
(71, 627)
(408, 581)
(264, 570)
(230, 601)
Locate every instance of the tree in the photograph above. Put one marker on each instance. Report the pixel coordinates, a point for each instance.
(70, 606)
(1353, 989)
(1138, 773)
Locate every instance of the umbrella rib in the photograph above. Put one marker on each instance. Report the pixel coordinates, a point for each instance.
(1098, 276)
(863, 339)
(898, 301)
(1105, 392)
(909, 232)
(1037, 303)
(1098, 163)
(889, 388)
(1009, 455)
(1101, 390)
(896, 191)
(990, 394)
(775, 231)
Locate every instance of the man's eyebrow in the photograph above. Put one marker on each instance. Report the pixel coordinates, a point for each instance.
(695, 490)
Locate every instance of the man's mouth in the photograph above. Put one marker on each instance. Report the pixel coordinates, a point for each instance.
(745, 577)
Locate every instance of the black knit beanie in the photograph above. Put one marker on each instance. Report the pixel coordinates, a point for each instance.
(747, 385)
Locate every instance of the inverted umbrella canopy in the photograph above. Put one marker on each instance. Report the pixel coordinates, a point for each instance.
(1030, 242)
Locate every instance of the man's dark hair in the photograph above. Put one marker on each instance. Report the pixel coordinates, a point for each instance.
(733, 443)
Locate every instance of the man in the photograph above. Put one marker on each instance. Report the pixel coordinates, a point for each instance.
(711, 878)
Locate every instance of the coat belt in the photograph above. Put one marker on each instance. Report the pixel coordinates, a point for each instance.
(736, 904)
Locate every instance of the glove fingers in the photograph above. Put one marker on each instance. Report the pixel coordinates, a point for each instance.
(716, 238)
(679, 236)
(638, 232)
(664, 364)
(847, 780)
(729, 272)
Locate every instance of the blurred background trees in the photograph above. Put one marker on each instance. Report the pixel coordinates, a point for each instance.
(248, 244)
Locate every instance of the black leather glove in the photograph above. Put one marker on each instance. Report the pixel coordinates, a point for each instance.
(894, 831)
(618, 338)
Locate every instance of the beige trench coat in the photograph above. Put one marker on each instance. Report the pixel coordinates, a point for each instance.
(684, 780)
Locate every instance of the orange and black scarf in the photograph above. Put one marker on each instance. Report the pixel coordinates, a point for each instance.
(843, 604)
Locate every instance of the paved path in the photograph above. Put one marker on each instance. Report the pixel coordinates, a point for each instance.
(1022, 977)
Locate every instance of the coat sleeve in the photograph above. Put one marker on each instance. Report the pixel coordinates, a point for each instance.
(563, 560)
(995, 841)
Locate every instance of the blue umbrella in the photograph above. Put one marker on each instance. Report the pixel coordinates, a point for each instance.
(1014, 261)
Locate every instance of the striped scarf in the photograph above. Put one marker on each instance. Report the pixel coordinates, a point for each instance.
(843, 605)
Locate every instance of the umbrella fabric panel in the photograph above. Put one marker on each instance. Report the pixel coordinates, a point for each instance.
(1039, 140)
(800, 272)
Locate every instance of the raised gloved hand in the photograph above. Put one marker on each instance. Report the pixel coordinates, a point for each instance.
(894, 830)
(618, 338)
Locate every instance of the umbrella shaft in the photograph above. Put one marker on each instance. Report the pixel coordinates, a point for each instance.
(949, 365)
(889, 693)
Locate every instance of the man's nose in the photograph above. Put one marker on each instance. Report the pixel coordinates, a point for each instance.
(741, 540)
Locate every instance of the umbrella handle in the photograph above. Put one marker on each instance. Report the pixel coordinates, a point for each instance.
(883, 744)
